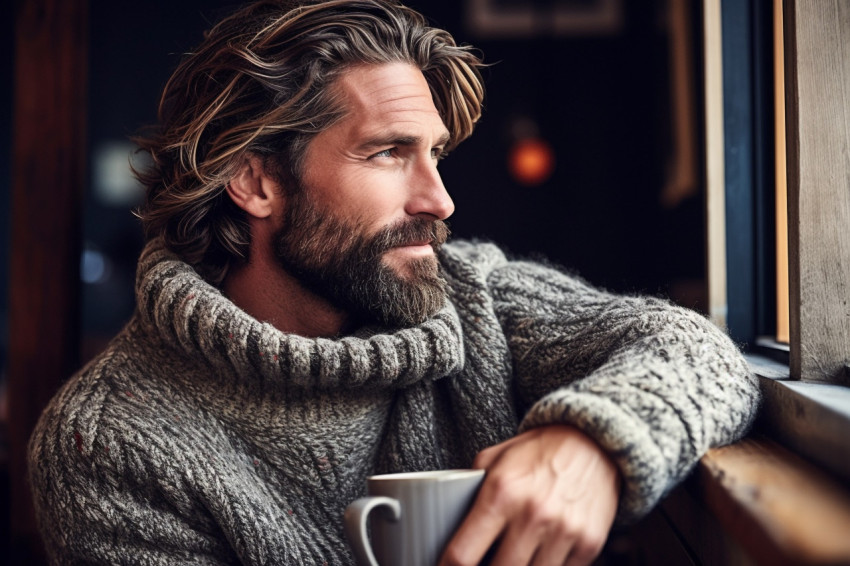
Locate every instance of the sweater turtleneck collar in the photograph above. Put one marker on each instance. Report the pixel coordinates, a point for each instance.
(191, 315)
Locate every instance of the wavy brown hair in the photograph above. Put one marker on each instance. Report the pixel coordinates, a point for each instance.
(259, 83)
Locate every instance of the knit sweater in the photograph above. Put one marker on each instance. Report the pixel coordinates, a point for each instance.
(204, 436)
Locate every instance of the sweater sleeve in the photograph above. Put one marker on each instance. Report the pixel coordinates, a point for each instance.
(654, 384)
(98, 500)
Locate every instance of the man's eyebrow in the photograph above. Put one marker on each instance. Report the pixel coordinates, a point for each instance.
(393, 139)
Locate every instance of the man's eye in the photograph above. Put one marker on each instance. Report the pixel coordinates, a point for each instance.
(385, 153)
(438, 153)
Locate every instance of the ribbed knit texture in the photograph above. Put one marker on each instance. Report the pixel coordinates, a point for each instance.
(202, 436)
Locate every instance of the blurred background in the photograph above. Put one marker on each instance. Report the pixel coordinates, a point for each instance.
(589, 154)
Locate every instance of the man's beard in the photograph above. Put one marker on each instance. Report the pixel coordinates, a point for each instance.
(338, 262)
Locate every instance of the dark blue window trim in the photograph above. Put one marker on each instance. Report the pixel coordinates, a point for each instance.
(749, 168)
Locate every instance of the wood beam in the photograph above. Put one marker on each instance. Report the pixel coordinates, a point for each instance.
(817, 72)
(48, 176)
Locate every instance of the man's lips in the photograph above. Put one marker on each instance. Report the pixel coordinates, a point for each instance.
(417, 247)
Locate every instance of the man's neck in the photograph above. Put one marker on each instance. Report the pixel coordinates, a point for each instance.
(267, 292)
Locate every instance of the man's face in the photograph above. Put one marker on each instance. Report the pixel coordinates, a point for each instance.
(362, 227)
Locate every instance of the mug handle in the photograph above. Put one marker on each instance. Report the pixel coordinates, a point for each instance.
(355, 519)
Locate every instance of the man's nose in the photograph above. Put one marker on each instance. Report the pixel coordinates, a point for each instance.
(428, 195)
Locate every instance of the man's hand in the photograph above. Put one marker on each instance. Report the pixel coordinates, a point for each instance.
(550, 495)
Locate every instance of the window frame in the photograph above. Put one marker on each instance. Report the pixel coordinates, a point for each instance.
(804, 408)
(817, 87)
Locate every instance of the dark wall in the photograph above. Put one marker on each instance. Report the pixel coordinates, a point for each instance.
(7, 38)
(602, 102)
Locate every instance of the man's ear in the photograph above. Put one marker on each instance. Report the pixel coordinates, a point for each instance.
(253, 190)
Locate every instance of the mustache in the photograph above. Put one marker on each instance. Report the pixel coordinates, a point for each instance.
(414, 230)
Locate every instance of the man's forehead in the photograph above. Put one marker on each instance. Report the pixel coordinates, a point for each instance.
(390, 87)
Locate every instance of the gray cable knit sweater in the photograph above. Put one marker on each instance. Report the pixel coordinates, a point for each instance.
(202, 436)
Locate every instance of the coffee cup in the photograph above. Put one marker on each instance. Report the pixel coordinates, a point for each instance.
(412, 516)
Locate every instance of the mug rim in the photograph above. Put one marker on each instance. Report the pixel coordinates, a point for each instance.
(433, 475)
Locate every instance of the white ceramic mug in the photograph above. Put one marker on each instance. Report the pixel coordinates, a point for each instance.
(415, 515)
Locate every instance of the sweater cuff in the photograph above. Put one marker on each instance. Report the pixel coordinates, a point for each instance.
(621, 434)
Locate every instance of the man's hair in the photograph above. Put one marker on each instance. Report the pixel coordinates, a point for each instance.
(260, 83)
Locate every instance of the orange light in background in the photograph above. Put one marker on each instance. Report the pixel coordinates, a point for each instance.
(531, 161)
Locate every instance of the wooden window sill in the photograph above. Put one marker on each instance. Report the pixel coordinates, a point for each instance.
(778, 507)
(812, 418)
(751, 503)
(760, 502)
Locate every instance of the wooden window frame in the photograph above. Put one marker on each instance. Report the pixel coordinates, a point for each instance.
(817, 97)
(806, 403)
(817, 85)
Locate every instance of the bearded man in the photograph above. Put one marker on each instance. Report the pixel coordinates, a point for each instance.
(300, 326)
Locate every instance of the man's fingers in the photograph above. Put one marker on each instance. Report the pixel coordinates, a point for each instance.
(518, 546)
(550, 494)
(585, 551)
(542, 531)
(473, 539)
(553, 551)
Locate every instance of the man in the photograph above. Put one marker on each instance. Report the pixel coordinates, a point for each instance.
(300, 326)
